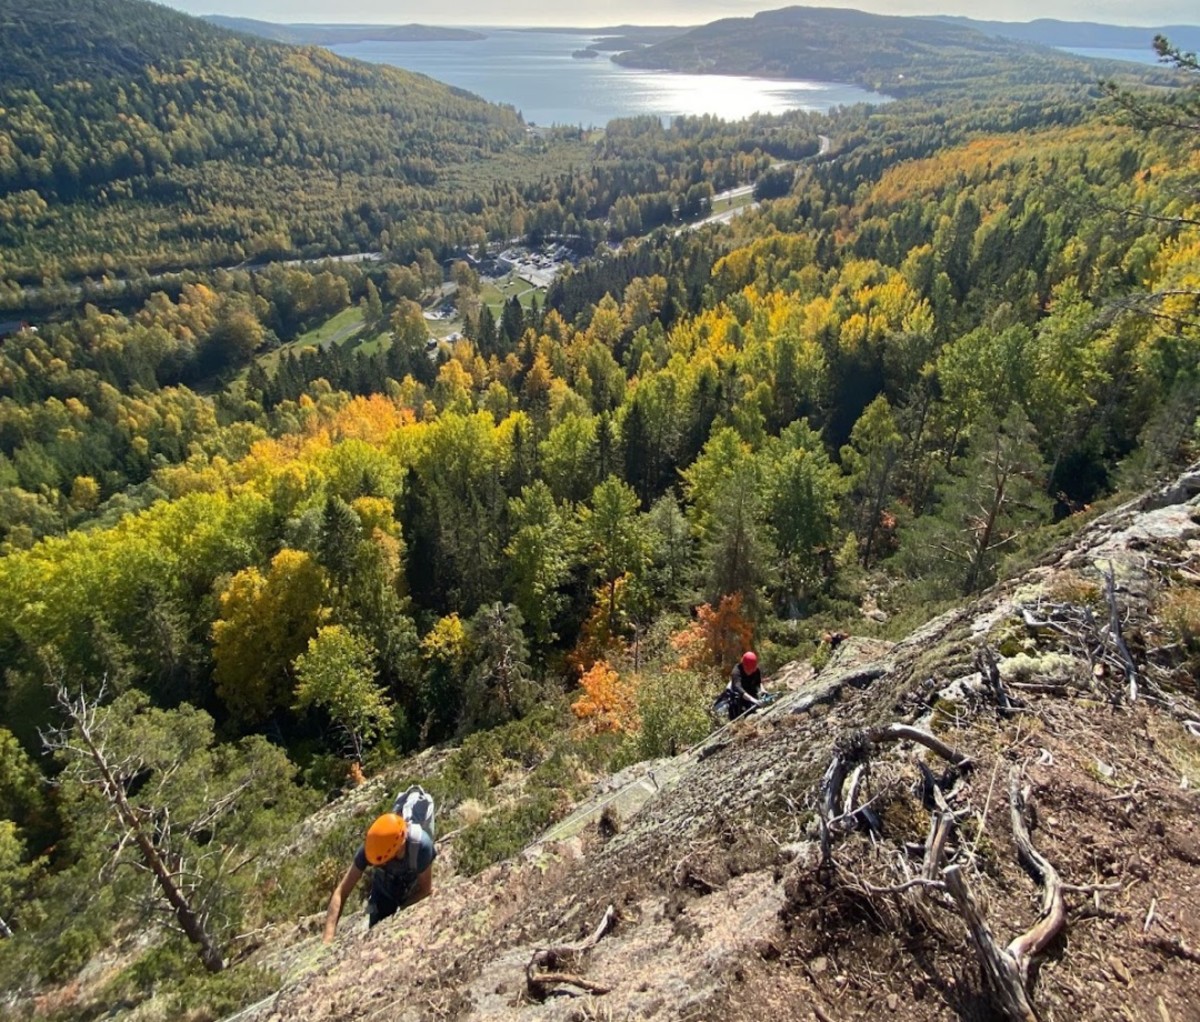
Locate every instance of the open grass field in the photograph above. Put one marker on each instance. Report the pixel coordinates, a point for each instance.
(496, 292)
(345, 324)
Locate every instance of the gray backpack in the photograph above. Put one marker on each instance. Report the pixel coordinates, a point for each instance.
(415, 806)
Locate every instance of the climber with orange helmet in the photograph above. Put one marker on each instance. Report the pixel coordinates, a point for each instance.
(402, 853)
(745, 685)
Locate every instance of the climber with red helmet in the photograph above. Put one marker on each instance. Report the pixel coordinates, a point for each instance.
(401, 850)
(745, 685)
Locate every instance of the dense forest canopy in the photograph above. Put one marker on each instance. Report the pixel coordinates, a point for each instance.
(906, 370)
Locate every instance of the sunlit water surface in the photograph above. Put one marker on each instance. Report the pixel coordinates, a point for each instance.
(536, 73)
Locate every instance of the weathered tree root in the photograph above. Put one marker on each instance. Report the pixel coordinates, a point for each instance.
(906, 732)
(855, 751)
(1006, 970)
(537, 983)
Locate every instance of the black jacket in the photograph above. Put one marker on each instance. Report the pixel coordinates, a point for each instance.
(744, 684)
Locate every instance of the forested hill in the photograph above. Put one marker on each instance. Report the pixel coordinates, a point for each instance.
(215, 138)
(897, 55)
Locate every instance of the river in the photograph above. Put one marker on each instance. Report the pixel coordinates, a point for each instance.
(536, 73)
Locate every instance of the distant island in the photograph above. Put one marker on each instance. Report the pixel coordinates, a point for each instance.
(898, 56)
(335, 35)
(586, 54)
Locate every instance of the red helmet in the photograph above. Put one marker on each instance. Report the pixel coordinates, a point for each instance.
(749, 662)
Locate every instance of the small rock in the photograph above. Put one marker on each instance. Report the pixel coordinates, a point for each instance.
(893, 1002)
(818, 966)
(766, 950)
(1119, 970)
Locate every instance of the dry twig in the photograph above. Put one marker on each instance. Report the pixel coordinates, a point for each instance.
(536, 983)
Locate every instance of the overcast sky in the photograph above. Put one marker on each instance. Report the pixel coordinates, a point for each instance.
(671, 12)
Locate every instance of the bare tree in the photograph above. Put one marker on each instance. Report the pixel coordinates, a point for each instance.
(84, 743)
(174, 805)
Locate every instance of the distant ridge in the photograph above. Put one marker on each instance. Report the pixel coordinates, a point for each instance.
(1090, 34)
(334, 35)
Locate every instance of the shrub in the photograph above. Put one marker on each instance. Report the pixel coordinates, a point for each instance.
(205, 998)
(504, 832)
(1180, 610)
(673, 707)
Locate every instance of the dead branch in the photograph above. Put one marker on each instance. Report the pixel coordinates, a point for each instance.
(985, 662)
(1096, 889)
(686, 876)
(855, 781)
(546, 978)
(1043, 688)
(1054, 912)
(1174, 947)
(939, 831)
(551, 958)
(1114, 626)
(908, 885)
(906, 732)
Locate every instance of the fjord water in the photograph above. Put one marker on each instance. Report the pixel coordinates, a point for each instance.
(536, 73)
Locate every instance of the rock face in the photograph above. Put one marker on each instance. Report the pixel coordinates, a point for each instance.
(1070, 689)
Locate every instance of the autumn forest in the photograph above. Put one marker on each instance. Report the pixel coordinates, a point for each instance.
(926, 355)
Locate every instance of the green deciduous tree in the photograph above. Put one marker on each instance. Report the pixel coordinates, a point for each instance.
(337, 674)
(265, 623)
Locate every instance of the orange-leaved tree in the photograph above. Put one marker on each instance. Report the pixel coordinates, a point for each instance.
(602, 630)
(608, 703)
(716, 637)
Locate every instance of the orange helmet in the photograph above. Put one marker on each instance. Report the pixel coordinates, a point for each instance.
(385, 837)
(749, 662)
